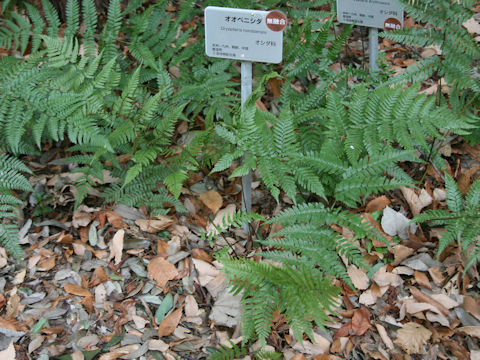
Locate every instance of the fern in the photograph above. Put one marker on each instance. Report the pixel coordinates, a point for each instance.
(306, 251)
(461, 223)
(11, 178)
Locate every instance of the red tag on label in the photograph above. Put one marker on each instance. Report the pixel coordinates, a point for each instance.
(276, 20)
(392, 24)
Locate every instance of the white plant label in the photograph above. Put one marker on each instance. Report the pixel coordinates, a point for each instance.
(383, 14)
(245, 35)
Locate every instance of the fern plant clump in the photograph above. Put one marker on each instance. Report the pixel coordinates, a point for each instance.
(461, 221)
(11, 179)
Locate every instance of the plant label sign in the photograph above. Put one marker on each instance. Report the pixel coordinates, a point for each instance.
(245, 35)
(383, 14)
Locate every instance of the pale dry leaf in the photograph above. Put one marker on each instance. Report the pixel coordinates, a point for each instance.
(422, 297)
(19, 277)
(35, 343)
(412, 337)
(116, 246)
(206, 271)
(212, 199)
(359, 277)
(191, 306)
(154, 225)
(169, 324)
(400, 253)
(431, 50)
(433, 317)
(445, 300)
(472, 26)
(77, 355)
(157, 345)
(8, 353)
(227, 309)
(416, 307)
(161, 271)
(439, 194)
(395, 223)
(384, 278)
(472, 306)
(473, 331)
(221, 216)
(475, 355)
(384, 336)
(417, 203)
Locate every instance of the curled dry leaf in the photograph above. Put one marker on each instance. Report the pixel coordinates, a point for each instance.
(212, 199)
(154, 225)
(170, 323)
(412, 337)
(201, 254)
(161, 271)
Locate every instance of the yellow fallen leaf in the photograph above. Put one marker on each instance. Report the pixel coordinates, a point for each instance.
(116, 246)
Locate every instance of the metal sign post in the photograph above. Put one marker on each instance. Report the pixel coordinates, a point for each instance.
(248, 36)
(375, 14)
(246, 90)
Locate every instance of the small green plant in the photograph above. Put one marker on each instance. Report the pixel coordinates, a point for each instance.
(461, 220)
(11, 178)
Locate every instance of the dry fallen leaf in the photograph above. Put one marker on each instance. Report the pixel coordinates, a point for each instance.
(76, 290)
(169, 324)
(161, 271)
(473, 331)
(422, 279)
(154, 225)
(400, 253)
(416, 202)
(201, 254)
(361, 321)
(359, 277)
(412, 337)
(472, 306)
(116, 246)
(472, 26)
(212, 199)
(384, 335)
(191, 306)
(8, 353)
(420, 296)
(377, 204)
(384, 278)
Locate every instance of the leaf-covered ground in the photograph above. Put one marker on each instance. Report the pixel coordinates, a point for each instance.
(108, 281)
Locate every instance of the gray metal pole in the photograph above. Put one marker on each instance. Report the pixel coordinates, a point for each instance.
(373, 48)
(246, 89)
